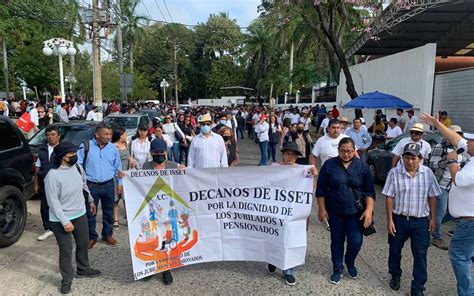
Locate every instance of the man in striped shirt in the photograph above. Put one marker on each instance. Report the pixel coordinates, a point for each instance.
(410, 191)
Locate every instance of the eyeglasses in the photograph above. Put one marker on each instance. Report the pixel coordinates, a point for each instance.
(346, 151)
(416, 133)
(168, 118)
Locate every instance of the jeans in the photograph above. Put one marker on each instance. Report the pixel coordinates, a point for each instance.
(183, 154)
(344, 227)
(64, 241)
(263, 152)
(174, 152)
(240, 130)
(461, 254)
(272, 151)
(44, 208)
(441, 207)
(415, 229)
(106, 195)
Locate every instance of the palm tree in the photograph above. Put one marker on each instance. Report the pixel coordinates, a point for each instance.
(133, 31)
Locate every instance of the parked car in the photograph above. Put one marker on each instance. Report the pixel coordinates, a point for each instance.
(152, 113)
(129, 122)
(75, 131)
(380, 159)
(16, 181)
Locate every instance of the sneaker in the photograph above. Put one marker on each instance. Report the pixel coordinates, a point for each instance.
(335, 278)
(167, 277)
(439, 243)
(90, 273)
(92, 243)
(352, 271)
(395, 283)
(45, 235)
(450, 232)
(290, 279)
(271, 268)
(65, 289)
(110, 241)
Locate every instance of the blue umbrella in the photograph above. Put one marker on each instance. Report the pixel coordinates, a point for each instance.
(377, 100)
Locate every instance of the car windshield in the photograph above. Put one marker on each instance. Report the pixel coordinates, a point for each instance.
(125, 122)
(70, 133)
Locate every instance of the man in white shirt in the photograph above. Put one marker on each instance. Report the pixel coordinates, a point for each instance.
(327, 146)
(207, 149)
(461, 205)
(324, 124)
(305, 120)
(74, 112)
(393, 130)
(416, 134)
(401, 120)
(91, 114)
(412, 119)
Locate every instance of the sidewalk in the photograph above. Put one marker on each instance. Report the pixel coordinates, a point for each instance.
(31, 268)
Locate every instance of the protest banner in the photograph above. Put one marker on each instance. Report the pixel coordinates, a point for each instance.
(182, 217)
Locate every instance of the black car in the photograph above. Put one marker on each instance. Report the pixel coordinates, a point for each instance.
(76, 132)
(16, 181)
(380, 159)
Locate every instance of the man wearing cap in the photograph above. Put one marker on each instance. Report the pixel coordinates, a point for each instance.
(261, 132)
(439, 164)
(412, 119)
(416, 134)
(207, 149)
(344, 125)
(461, 205)
(411, 190)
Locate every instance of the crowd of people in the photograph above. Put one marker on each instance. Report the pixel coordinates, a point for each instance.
(418, 197)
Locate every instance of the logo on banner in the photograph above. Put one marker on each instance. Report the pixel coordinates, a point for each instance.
(165, 233)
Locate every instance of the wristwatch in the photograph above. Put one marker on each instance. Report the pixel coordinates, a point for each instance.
(452, 161)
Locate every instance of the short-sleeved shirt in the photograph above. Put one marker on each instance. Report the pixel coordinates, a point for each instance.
(394, 132)
(461, 199)
(326, 147)
(411, 194)
(425, 147)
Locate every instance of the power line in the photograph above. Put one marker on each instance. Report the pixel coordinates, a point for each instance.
(166, 6)
(146, 8)
(161, 12)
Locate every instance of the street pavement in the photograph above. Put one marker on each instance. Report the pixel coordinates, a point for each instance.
(30, 267)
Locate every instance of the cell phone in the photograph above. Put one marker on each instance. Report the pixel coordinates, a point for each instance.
(327, 224)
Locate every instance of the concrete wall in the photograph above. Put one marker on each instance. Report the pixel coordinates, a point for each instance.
(453, 92)
(408, 75)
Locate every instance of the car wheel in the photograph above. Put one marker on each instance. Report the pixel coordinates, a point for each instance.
(12, 215)
(373, 171)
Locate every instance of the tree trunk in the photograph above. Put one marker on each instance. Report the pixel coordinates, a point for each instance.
(5, 68)
(130, 51)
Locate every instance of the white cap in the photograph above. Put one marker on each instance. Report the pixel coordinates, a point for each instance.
(455, 128)
(468, 136)
(362, 120)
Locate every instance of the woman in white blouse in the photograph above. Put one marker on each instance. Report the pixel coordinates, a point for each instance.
(140, 148)
(159, 134)
(170, 128)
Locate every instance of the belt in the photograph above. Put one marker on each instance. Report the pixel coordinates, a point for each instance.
(100, 183)
(409, 217)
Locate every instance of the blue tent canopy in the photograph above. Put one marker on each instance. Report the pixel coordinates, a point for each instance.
(377, 100)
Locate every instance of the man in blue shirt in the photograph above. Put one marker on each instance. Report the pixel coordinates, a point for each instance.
(101, 162)
(361, 137)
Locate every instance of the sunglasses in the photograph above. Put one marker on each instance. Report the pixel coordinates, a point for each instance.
(168, 118)
(206, 123)
(416, 133)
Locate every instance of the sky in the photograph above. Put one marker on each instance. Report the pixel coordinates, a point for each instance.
(191, 12)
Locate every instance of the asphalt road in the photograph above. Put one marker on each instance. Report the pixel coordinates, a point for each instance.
(30, 267)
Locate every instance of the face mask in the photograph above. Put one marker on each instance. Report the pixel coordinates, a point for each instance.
(223, 122)
(205, 129)
(28, 109)
(226, 138)
(159, 158)
(72, 160)
(300, 130)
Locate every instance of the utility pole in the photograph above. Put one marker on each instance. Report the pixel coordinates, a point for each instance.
(97, 75)
(5, 68)
(176, 74)
(123, 96)
(292, 52)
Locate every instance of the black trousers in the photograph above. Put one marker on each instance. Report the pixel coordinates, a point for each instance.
(64, 239)
(44, 208)
(240, 130)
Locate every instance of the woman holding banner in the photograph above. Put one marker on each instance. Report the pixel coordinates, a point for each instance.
(290, 153)
(342, 181)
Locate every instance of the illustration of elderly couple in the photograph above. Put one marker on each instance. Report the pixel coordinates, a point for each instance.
(170, 234)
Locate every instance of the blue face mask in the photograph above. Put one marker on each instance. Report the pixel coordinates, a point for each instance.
(223, 122)
(205, 129)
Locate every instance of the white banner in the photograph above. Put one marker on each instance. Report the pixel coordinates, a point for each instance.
(177, 218)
